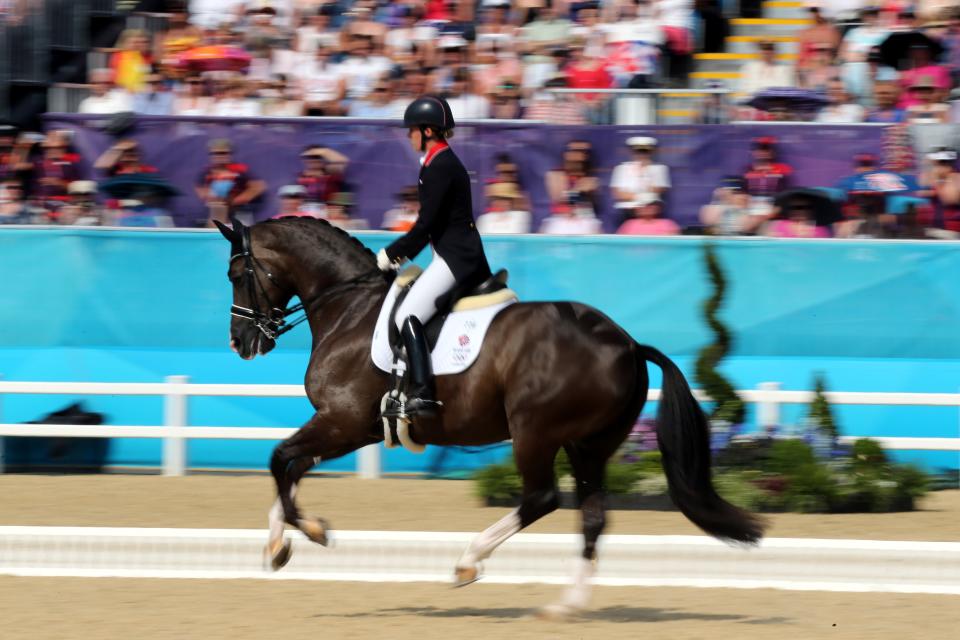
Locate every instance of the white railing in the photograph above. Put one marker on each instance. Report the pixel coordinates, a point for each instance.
(177, 390)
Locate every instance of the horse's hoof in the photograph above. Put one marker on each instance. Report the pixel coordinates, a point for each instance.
(315, 529)
(462, 576)
(278, 554)
(558, 612)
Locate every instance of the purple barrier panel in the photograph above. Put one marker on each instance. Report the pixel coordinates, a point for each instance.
(382, 162)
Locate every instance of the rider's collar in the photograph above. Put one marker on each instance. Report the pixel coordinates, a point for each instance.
(434, 150)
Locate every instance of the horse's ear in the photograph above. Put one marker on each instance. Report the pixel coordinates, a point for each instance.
(232, 235)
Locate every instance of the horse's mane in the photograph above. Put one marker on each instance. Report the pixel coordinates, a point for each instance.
(332, 235)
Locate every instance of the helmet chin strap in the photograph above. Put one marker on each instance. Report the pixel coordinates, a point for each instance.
(423, 138)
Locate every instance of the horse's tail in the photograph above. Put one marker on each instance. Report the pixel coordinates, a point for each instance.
(684, 439)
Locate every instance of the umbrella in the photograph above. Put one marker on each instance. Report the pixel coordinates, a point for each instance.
(214, 58)
(897, 47)
(139, 186)
(825, 210)
(791, 98)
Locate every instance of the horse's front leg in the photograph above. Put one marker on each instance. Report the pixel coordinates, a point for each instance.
(315, 441)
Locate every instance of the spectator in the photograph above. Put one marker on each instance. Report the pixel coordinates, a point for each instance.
(322, 175)
(14, 208)
(453, 59)
(729, 212)
(757, 75)
(156, 99)
(54, 170)
(648, 220)
(379, 103)
(885, 109)
(796, 221)
(226, 187)
(954, 106)
(191, 98)
(639, 179)
(923, 72)
(319, 30)
(403, 216)
(504, 213)
(362, 67)
(324, 84)
(587, 70)
(840, 109)
(820, 68)
(465, 103)
(411, 33)
(292, 197)
(564, 221)
(633, 44)
(547, 29)
(496, 63)
(9, 157)
(505, 101)
(925, 108)
(941, 183)
(766, 177)
(860, 41)
(180, 36)
(819, 36)
(339, 212)
(861, 77)
(234, 101)
(105, 96)
(123, 158)
(281, 99)
(505, 170)
(574, 186)
(82, 209)
(134, 62)
(494, 24)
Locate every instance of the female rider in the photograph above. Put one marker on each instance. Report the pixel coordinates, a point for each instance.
(446, 223)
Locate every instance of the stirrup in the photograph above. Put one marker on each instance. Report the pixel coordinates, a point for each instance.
(422, 407)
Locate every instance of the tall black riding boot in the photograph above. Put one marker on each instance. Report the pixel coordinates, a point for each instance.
(420, 401)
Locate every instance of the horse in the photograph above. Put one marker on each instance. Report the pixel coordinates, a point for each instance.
(551, 376)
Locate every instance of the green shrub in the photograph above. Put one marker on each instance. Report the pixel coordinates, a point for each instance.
(868, 453)
(621, 478)
(740, 488)
(498, 481)
(786, 457)
(811, 488)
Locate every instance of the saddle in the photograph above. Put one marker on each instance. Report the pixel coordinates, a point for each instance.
(490, 293)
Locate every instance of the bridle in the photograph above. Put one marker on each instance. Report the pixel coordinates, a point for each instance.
(273, 324)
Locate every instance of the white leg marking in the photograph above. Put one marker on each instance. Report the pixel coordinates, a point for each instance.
(492, 537)
(276, 521)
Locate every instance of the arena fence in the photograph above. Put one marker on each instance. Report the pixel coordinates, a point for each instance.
(177, 390)
(411, 556)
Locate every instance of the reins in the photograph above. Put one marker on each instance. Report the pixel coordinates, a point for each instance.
(274, 324)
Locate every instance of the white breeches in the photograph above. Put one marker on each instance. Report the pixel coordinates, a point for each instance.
(421, 302)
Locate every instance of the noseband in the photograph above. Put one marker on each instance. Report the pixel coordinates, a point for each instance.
(273, 324)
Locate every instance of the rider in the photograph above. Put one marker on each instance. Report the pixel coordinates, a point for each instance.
(446, 223)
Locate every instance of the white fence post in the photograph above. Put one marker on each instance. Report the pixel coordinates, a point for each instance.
(768, 411)
(175, 415)
(368, 462)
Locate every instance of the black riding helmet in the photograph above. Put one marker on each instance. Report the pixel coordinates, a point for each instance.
(430, 111)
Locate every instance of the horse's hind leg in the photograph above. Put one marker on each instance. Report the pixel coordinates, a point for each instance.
(588, 470)
(535, 464)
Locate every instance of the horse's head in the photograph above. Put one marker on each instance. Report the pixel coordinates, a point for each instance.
(260, 291)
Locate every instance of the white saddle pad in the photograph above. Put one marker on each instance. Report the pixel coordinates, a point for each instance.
(457, 346)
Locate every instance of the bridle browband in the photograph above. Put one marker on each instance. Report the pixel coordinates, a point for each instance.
(273, 324)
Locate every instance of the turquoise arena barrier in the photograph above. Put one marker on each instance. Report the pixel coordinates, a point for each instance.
(135, 306)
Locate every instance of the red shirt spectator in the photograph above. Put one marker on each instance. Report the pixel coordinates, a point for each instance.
(765, 176)
(55, 169)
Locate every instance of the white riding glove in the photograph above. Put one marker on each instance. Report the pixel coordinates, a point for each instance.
(383, 261)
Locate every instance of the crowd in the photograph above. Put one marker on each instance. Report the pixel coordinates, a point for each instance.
(499, 59)
(887, 64)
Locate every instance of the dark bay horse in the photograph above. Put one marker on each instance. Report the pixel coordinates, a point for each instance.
(551, 375)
